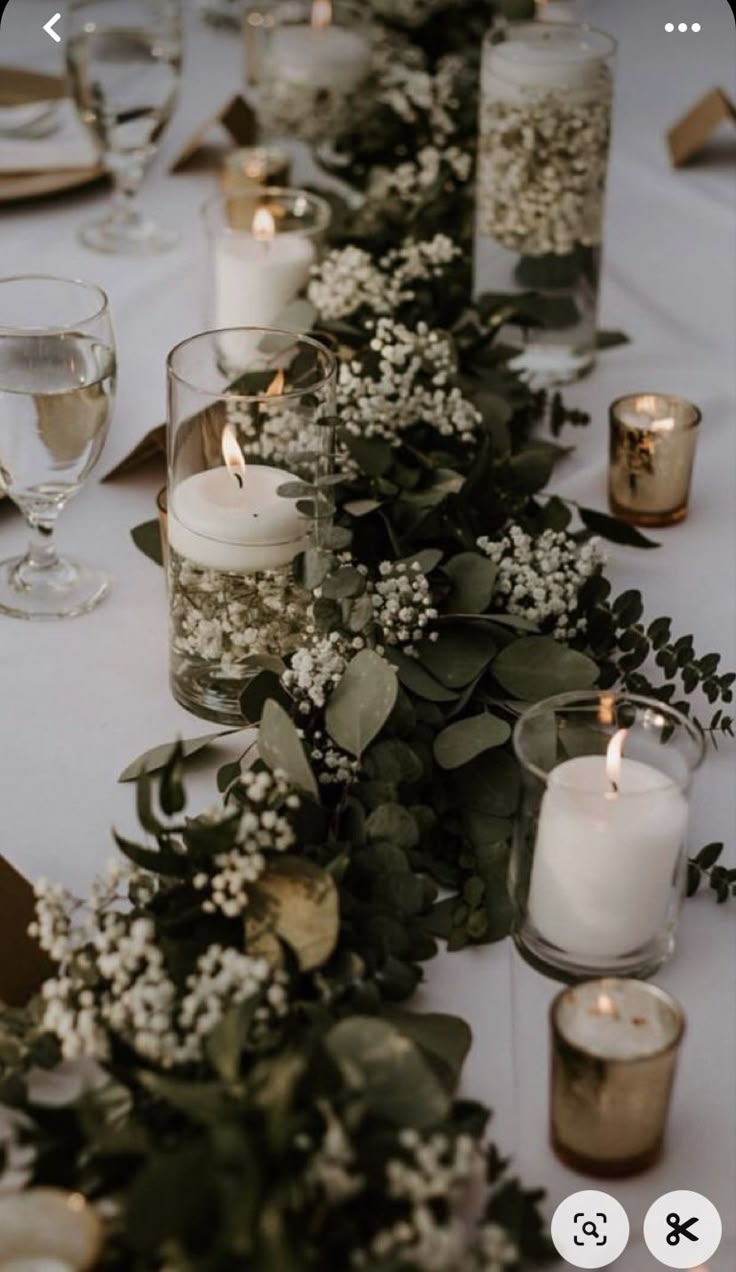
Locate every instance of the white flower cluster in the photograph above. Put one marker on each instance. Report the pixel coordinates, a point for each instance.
(493, 1250)
(402, 603)
(411, 180)
(258, 828)
(542, 170)
(432, 1178)
(113, 980)
(224, 618)
(330, 763)
(330, 1170)
(540, 578)
(270, 429)
(316, 669)
(348, 279)
(413, 384)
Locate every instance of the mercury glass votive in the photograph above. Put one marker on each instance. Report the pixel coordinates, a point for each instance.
(247, 456)
(615, 1045)
(255, 166)
(653, 437)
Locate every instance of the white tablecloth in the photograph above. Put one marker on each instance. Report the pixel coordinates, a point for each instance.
(80, 699)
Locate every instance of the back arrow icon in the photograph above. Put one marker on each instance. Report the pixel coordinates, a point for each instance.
(49, 28)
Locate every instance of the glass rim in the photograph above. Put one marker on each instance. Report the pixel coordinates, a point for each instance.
(225, 393)
(80, 283)
(279, 14)
(560, 29)
(663, 997)
(587, 697)
(322, 209)
(681, 427)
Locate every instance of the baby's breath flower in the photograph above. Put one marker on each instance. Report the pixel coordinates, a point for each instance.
(402, 603)
(540, 578)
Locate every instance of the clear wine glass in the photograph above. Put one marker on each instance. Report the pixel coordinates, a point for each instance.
(124, 64)
(57, 387)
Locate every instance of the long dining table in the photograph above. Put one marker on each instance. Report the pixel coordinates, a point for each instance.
(80, 699)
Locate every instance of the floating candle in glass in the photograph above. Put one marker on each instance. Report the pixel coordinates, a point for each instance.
(614, 1051)
(653, 437)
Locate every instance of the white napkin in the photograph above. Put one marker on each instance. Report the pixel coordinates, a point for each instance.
(69, 146)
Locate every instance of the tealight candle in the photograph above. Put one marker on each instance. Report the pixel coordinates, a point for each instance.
(233, 519)
(614, 1051)
(610, 834)
(653, 437)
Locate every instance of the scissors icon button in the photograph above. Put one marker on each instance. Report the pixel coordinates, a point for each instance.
(680, 1229)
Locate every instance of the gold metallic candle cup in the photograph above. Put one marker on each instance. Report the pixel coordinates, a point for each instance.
(652, 450)
(255, 166)
(614, 1052)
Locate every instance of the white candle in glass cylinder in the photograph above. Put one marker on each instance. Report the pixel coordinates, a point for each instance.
(233, 519)
(553, 61)
(319, 54)
(606, 855)
(258, 273)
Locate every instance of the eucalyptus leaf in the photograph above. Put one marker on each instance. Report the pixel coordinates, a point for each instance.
(459, 655)
(281, 747)
(473, 578)
(615, 530)
(464, 739)
(535, 667)
(397, 1084)
(301, 908)
(362, 701)
(414, 677)
(147, 538)
(159, 756)
(258, 691)
(445, 1040)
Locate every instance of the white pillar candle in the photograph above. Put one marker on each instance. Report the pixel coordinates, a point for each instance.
(256, 279)
(320, 57)
(220, 525)
(556, 60)
(605, 856)
(617, 1019)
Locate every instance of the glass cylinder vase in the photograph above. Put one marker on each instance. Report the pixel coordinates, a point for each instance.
(545, 118)
(263, 243)
(599, 860)
(250, 456)
(311, 61)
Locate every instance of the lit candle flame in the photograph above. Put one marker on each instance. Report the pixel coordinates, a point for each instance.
(606, 1006)
(321, 14)
(233, 456)
(264, 226)
(613, 758)
(276, 387)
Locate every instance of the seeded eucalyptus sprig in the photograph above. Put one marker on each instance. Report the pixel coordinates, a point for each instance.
(704, 869)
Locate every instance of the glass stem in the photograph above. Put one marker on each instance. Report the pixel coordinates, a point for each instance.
(41, 553)
(127, 178)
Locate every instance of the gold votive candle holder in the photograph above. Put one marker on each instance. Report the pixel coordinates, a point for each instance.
(255, 166)
(653, 437)
(615, 1045)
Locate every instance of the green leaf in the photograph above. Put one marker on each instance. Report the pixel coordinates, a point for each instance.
(147, 538)
(262, 688)
(461, 741)
(361, 507)
(394, 824)
(280, 747)
(708, 856)
(159, 756)
(614, 530)
(301, 908)
(459, 654)
(373, 456)
(611, 339)
(345, 582)
(445, 1040)
(414, 677)
(535, 667)
(488, 787)
(397, 1083)
(473, 578)
(362, 702)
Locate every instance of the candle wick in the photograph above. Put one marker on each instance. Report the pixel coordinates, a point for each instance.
(238, 479)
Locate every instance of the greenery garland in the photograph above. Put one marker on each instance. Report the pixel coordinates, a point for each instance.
(222, 1063)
